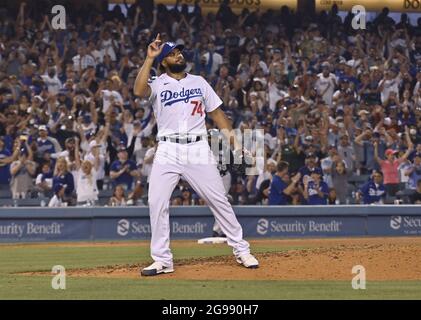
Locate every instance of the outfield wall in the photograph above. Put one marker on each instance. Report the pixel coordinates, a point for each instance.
(111, 223)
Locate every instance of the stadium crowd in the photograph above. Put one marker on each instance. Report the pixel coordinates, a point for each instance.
(340, 108)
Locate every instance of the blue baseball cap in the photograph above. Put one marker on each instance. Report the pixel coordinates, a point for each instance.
(168, 47)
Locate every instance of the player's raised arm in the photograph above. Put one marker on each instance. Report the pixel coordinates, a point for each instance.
(141, 87)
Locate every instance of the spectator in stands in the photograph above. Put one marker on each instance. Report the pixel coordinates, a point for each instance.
(135, 196)
(332, 199)
(45, 145)
(44, 180)
(52, 82)
(373, 191)
(268, 172)
(414, 172)
(316, 190)
(389, 167)
(326, 83)
(86, 176)
(346, 152)
(58, 200)
(292, 154)
(64, 177)
(282, 186)
(367, 139)
(262, 194)
(415, 198)
(389, 84)
(177, 200)
(6, 158)
(403, 167)
(22, 172)
(118, 198)
(187, 196)
(340, 175)
(327, 163)
(123, 170)
(301, 81)
(310, 167)
(82, 60)
(68, 153)
(96, 156)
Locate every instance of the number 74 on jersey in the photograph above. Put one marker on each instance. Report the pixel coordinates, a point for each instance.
(198, 109)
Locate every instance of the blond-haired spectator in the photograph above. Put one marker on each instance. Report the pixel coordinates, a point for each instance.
(86, 176)
(63, 176)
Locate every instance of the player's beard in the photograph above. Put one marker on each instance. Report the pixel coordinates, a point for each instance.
(177, 67)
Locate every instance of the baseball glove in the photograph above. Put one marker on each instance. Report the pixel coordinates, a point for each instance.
(240, 162)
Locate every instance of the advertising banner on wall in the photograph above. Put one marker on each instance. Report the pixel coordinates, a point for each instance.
(401, 225)
(236, 5)
(371, 5)
(85, 224)
(44, 230)
(304, 226)
(139, 228)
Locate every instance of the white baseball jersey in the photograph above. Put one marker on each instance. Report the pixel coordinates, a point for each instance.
(322, 83)
(180, 106)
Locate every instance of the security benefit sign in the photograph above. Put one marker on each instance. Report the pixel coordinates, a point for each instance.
(43, 230)
(140, 228)
(405, 225)
(303, 226)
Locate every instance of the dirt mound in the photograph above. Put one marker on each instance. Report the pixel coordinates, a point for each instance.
(382, 260)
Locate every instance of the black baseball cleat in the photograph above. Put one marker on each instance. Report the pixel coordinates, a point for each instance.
(216, 234)
(156, 268)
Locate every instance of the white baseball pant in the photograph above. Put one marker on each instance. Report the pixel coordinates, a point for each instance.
(196, 163)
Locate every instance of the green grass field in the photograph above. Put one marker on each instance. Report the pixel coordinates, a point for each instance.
(22, 258)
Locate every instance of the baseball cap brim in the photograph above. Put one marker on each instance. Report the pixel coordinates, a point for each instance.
(390, 151)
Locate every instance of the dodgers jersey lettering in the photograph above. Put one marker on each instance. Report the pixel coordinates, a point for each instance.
(180, 106)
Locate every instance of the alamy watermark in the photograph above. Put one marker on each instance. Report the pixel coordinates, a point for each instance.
(59, 280)
(359, 20)
(359, 281)
(59, 20)
(249, 150)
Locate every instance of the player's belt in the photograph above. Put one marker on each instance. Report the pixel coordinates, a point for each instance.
(182, 140)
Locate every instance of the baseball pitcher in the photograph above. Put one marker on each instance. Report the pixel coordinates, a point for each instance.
(180, 103)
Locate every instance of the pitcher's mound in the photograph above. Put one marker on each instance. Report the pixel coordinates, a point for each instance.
(387, 261)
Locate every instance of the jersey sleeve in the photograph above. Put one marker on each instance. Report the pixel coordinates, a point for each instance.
(210, 98)
(364, 189)
(153, 84)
